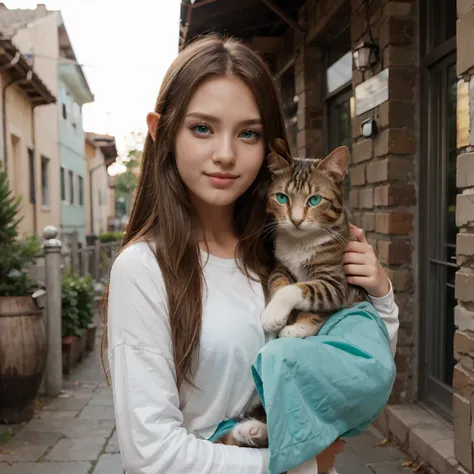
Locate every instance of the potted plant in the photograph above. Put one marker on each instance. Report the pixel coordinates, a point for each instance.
(77, 317)
(22, 329)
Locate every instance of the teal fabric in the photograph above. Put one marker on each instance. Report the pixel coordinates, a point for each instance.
(223, 428)
(318, 389)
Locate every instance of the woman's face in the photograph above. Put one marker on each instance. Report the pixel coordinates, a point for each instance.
(220, 145)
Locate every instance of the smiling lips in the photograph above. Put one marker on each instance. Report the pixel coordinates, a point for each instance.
(221, 180)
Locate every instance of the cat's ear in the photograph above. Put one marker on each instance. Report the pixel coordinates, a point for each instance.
(279, 156)
(336, 163)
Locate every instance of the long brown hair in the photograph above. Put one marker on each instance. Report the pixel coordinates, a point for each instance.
(162, 213)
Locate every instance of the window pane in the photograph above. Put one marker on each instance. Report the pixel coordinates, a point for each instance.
(44, 181)
(71, 187)
(81, 191)
(31, 165)
(339, 73)
(63, 185)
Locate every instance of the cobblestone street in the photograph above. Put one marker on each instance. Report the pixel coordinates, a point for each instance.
(75, 434)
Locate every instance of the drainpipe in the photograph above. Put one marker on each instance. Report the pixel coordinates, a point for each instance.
(12, 62)
(35, 205)
(91, 194)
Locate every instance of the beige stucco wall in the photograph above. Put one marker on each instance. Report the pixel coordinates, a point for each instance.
(18, 140)
(101, 205)
(41, 38)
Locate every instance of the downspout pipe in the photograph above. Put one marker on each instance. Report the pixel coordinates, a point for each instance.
(91, 194)
(35, 201)
(12, 62)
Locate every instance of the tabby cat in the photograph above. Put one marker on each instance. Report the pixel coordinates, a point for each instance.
(306, 200)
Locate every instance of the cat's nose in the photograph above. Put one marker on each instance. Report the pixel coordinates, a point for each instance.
(297, 222)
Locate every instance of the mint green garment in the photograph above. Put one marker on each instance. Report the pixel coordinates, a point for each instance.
(318, 389)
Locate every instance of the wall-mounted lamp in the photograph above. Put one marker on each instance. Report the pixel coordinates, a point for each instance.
(365, 55)
(369, 128)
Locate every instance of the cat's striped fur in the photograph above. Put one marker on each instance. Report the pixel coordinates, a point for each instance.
(309, 282)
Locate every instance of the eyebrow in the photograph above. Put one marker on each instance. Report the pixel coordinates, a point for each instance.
(212, 118)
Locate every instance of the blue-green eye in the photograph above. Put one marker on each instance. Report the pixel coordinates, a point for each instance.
(282, 198)
(201, 129)
(249, 134)
(314, 200)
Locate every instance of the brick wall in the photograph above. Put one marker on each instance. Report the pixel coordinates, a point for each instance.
(464, 312)
(383, 181)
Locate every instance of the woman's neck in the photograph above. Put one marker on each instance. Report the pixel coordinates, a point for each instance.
(216, 233)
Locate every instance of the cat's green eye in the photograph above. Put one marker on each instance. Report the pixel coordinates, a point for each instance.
(314, 200)
(282, 198)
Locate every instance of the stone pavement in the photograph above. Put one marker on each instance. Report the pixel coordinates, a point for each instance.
(75, 434)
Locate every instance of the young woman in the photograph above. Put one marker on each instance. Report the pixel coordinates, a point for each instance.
(185, 293)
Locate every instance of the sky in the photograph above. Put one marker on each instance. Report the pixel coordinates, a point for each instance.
(125, 47)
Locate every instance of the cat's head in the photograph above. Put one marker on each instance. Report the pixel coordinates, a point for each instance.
(306, 195)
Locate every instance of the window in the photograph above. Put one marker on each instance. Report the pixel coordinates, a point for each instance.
(31, 166)
(63, 184)
(76, 114)
(71, 187)
(44, 181)
(81, 190)
(64, 103)
(438, 204)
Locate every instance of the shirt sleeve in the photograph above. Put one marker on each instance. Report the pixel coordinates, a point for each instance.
(149, 422)
(388, 311)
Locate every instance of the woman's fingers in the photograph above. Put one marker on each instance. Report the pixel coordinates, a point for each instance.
(352, 257)
(358, 247)
(357, 270)
(358, 233)
(359, 281)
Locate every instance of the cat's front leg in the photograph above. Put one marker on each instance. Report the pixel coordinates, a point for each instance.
(306, 325)
(278, 310)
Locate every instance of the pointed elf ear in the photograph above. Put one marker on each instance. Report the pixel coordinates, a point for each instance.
(279, 157)
(336, 163)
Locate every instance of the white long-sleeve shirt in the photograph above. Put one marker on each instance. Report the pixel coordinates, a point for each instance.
(162, 430)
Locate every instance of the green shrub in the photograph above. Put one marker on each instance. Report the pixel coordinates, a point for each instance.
(77, 304)
(111, 237)
(15, 254)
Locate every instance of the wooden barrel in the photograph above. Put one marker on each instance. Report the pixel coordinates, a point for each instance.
(23, 349)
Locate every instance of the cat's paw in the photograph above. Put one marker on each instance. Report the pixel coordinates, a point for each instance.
(295, 330)
(276, 314)
(251, 433)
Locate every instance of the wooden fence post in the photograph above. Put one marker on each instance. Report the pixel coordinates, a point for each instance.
(97, 249)
(53, 379)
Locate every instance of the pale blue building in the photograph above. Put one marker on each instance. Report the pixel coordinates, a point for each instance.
(74, 92)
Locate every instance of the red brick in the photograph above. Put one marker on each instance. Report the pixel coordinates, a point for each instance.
(354, 198)
(357, 174)
(368, 222)
(391, 168)
(362, 151)
(366, 198)
(402, 83)
(395, 195)
(396, 252)
(394, 223)
(395, 56)
(394, 141)
(402, 279)
(396, 32)
(396, 114)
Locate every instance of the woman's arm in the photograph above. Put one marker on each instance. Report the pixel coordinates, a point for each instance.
(149, 422)
(363, 268)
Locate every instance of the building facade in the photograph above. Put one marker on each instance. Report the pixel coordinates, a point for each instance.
(23, 95)
(101, 152)
(41, 36)
(392, 80)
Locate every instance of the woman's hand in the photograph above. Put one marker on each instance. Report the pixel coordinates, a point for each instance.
(327, 458)
(362, 266)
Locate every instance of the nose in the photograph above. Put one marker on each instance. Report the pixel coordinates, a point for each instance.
(224, 154)
(297, 222)
(297, 215)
